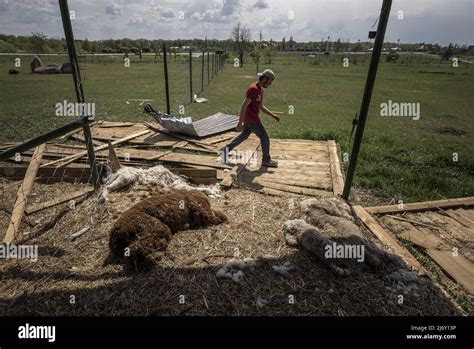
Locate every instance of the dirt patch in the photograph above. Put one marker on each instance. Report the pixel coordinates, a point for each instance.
(148, 226)
(451, 131)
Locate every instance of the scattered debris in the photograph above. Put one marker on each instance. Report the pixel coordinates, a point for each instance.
(211, 125)
(200, 100)
(261, 302)
(74, 236)
(233, 269)
(283, 269)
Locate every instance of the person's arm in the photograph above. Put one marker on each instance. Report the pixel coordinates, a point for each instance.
(268, 112)
(243, 108)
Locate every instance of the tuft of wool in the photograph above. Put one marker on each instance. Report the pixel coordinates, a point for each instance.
(157, 175)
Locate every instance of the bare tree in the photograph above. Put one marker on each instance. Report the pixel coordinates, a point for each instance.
(241, 36)
(38, 42)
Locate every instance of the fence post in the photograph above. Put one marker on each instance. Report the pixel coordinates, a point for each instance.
(191, 75)
(208, 68)
(167, 88)
(76, 73)
(212, 70)
(369, 86)
(202, 71)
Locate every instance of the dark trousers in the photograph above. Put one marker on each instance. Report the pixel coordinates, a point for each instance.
(260, 132)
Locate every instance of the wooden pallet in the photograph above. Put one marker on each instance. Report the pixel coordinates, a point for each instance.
(444, 229)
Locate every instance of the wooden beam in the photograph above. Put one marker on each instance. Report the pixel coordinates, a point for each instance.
(455, 265)
(23, 194)
(67, 160)
(336, 173)
(386, 237)
(51, 203)
(112, 159)
(422, 206)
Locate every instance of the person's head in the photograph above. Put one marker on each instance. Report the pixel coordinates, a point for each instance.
(266, 78)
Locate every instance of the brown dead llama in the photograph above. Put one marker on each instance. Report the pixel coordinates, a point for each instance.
(148, 226)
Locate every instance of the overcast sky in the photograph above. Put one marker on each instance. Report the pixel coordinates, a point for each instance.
(440, 21)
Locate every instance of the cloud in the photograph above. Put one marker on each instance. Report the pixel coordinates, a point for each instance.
(113, 9)
(441, 21)
(165, 11)
(230, 7)
(4, 5)
(261, 4)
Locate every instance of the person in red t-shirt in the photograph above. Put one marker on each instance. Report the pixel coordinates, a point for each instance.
(249, 120)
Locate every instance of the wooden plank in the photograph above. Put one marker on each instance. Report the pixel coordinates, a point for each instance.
(67, 160)
(469, 213)
(51, 203)
(81, 138)
(108, 124)
(386, 237)
(423, 206)
(450, 225)
(23, 193)
(336, 173)
(192, 159)
(460, 218)
(323, 183)
(292, 189)
(112, 159)
(456, 266)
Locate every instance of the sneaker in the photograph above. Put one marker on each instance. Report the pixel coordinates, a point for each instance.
(271, 163)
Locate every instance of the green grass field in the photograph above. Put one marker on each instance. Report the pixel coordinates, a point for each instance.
(401, 159)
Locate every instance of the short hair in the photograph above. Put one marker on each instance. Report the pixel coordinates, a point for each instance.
(261, 78)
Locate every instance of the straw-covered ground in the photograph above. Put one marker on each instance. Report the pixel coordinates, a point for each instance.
(70, 278)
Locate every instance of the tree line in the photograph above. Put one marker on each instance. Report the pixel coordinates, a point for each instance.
(240, 42)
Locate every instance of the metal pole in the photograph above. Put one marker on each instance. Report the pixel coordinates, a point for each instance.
(191, 75)
(369, 86)
(212, 66)
(46, 137)
(202, 71)
(63, 5)
(208, 68)
(167, 87)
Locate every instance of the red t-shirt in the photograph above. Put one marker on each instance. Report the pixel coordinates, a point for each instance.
(255, 93)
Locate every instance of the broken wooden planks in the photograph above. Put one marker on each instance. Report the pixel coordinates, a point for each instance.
(67, 160)
(181, 158)
(336, 173)
(422, 206)
(23, 194)
(447, 239)
(451, 261)
(386, 237)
